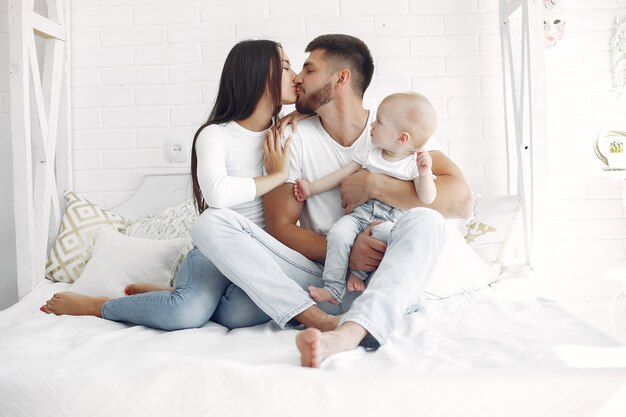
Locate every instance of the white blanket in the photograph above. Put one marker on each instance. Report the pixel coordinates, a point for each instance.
(477, 354)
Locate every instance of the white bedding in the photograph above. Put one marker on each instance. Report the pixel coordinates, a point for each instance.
(483, 353)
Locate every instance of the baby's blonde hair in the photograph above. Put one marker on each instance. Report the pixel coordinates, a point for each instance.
(415, 115)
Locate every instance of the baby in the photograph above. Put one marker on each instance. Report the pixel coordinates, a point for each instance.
(404, 123)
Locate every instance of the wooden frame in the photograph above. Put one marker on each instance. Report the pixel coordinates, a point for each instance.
(523, 68)
(40, 130)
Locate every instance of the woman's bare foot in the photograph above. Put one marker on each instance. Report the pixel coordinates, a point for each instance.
(315, 346)
(321, 295)
(142, 288)
(74, 305)
(355, 283)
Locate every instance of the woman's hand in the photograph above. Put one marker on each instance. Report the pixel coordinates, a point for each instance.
(276, 156)
(292, 118)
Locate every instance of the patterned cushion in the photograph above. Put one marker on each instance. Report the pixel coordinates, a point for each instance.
(74, 243)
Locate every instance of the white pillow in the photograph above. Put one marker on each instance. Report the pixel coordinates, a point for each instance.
(118, 260)
(459, 269)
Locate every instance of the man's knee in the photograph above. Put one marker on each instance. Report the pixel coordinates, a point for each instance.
(422, 220)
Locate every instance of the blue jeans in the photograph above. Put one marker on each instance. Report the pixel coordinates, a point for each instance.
(341, 237)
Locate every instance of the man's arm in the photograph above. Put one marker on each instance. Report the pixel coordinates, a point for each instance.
(454, 197)
(282, 211)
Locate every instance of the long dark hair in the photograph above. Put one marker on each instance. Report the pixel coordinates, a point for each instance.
(251, 67)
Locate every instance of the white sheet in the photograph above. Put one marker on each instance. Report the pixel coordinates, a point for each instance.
(476, 354)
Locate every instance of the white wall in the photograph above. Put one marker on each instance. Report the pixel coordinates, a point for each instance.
(8, 284)
(146, 70)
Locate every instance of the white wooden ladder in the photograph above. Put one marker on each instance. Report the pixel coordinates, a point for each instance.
(39, 56)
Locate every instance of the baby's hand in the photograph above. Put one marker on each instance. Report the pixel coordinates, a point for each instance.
(301, 190)
(424, 162)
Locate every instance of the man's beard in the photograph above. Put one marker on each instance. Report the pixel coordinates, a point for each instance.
(315, 100)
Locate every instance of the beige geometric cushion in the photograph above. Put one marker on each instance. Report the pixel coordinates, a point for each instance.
(72, 249)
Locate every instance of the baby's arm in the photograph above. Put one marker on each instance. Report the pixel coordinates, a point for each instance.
(424, 184)
(304, 189)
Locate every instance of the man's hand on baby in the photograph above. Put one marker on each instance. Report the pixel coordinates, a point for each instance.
(301, 190)
(424, 162)
(366, 252)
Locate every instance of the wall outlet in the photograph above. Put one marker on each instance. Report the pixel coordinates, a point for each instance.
(176, 150)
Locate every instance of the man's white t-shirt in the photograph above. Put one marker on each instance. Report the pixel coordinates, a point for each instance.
(313, 155)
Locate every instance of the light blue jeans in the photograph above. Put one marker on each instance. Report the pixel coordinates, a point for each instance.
(341, 237)
(240, 276)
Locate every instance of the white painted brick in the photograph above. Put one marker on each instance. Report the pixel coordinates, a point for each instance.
(4, 23)
(568, 230)
(475, 107)
(388, 46)
(458, 128)
(225, 10)
(494, 128)
(195, 73)
(487, 186)
(580, 82)
(133, 76)
(134, 36)
(589, 209)
(209, 92)
(595, 4)
(599, 19)
(475, 23)
(573, 20)
(488, 5)
(605, 188)
(85, 38)
(415, 66)
(439, 104)
(101, 58)
(372, 7)
(599, 266)
(217, 52)
(289, 9)
(597, 61)
(383, 86)
(276, 29)
(135, 117)
(490, 44)
(156, 138)
(163, 55)
(568, 270)
(478, 64)
(359, 26)
(107, 180)
(166, 13)
(496, 167)
(560, 63)
(131, 2)
(447, 86)
(491, 85)
(100, 17)
(571, 188)
(409, 25)
(591, 249)
(200, 32)
(443, 7)
(472, 168)
(101, 97)
(85, 78)
(588, 41)
(100, 139)
(189, 116)
(84, 4)
(85, 119)
(607, 228)
(86, 160)
(476, 147)
(168, 95)
(444, 45)
(144, 158)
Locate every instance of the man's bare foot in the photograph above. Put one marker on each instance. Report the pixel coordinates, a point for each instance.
(74, 305)
(355, 283)
(321, 294)
(315, 346)
(142, 288)
(317, 318)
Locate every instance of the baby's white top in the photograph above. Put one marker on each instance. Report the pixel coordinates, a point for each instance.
(373, 161)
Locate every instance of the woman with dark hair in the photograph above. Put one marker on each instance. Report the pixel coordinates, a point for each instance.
(229, 153)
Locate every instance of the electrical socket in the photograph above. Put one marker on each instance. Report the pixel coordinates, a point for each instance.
(176, 150)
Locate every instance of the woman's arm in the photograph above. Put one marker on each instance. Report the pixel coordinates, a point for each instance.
(454, 198)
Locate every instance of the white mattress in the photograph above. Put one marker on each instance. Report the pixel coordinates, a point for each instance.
(479, 354)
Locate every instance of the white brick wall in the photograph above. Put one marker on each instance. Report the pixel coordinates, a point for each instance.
(147, 70)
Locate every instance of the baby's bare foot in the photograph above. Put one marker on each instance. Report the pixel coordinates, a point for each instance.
(321, 294)
(355, 283)
(74, 305)
(142, 288)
